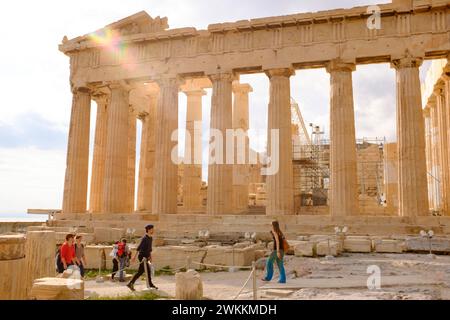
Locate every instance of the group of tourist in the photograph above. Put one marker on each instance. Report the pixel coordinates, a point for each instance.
(71, 255)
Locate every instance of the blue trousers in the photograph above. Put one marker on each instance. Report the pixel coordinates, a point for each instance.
(269, 267)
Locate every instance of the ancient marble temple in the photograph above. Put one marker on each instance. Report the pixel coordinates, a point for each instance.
(135, 68)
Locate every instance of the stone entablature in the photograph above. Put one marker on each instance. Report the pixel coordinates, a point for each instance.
(301, 40)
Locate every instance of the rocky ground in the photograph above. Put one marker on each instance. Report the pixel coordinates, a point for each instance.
(403, 276)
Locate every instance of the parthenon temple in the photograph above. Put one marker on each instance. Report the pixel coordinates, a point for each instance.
(135, 69)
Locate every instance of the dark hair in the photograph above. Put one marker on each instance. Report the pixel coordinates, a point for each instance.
(69, 236)
(276, 226)
(149, 227)
(124, 240)
(78, 237)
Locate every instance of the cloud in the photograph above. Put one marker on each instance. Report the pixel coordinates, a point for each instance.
(32, 130)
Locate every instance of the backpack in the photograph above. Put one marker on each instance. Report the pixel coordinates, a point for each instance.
(121, 249)
(58, 262)
(285, 245)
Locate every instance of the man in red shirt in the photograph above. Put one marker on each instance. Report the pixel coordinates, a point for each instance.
(68, 251)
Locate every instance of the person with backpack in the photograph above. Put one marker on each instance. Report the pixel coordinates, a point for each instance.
(280, 246)
(115, 260)
(122, 257)
(67, 253)
(144, 253)
(80, 256)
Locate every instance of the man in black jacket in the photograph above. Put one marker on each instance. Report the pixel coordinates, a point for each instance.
(144, 253)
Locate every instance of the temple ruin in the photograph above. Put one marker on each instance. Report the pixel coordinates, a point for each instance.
(134, 70)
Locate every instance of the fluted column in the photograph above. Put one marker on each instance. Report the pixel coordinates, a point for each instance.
(98, 162)
(220, 175)
(115, 192)
(413, 199)
(192, 179)
(435, 156)
(446, 88)
(131, 159)
(443, 147)
(428, 156)
(77, 169)
(241, 171)
(165, 186)
(147, 162)
(280, 185)
(343, 197)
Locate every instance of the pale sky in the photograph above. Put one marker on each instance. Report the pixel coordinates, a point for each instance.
(36, 99)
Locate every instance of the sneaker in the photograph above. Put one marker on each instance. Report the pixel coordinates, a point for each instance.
(265, 280)
(282, 282)
(131, 287)
(153, 287)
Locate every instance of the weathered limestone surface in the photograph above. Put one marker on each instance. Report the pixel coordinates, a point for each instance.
(107, 235)
(413, 197)
(323, 249)
(40, 256)
(358, 245)
(131, 176)
(12, 267)
(192, 179)
(165, 183)
(438, 245)
(304, 249)
(220, 174)
(280, 188)
(57, 289)
(241, 168)
(147, 162)
(77, 170)
(98, 162)
(116, 162)
(441, 110)
(391, 176)
(388, 246)
(189, 286)
(435, 157)
(343, 173)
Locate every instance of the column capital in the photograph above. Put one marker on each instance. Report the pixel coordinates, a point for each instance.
(167, 82)
(195, 92)
(227, 76)
(407, 62)
(438, 90)
(280, 72)
(100, 97)
(242, 88)
(142, 115)
(339, 65)
(119, 85)
(83, 89)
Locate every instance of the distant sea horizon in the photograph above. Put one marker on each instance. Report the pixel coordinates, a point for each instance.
(22, 217)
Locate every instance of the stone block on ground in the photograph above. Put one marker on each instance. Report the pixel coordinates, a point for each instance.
(12, 247)
(419, 244)
(189, 286)
(57, 289)
(229, 256)
(323, 250)
(97, 256)
(108, 235)
(362, 245)
(176, 257)
(388, 246)
(304, 249)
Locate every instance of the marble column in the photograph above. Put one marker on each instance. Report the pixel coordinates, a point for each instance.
(443, 147)
(77, 169)
(220, 175)
(435, 156)
(280, 185)
(147, 161)
(131, 160)
(428, 152)
(98, 162)
(192, 179)
(241, 171)
(343, 194)
(165, 185)
(115, 192)
(413, 199)
(446, 79)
